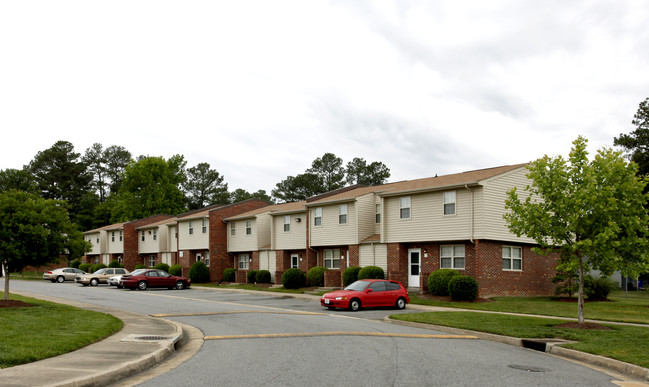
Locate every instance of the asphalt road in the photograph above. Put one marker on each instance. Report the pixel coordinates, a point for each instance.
(273, 340)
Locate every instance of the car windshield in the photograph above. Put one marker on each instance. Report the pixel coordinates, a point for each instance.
(138, 272)
(358, 286)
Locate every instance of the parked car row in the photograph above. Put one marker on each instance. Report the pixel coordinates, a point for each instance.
(141, 279)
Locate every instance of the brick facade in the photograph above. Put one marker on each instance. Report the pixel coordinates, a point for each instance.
(131, 256)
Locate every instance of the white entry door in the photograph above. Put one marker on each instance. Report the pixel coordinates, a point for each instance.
(414, 265)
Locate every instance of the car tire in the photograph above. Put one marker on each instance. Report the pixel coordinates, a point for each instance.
(354, 304)
(141, 285)
(94, 282)
(180, 285)
(60, 279)
(401, 303)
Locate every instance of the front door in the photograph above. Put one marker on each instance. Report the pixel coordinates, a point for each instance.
(414, 264)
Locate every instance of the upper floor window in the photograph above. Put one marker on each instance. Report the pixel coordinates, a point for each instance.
(155, 234)
(332, 259)
(142, 236)
(287, 223)
(248, 227)
(121, 233)
(191, 228)
(342, 214)
(512, 258)
(377, 216)
(233, 229)
(112, 236)
(204, 226)
(404, 207)
(449, 203)
(317, 217)
(452, 257)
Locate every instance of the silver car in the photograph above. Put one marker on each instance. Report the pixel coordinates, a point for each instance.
(101, 276)
(62, 274)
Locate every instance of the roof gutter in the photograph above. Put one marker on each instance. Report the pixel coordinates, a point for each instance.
(430, 189)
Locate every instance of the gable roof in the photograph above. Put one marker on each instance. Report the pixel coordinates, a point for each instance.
(283, 208)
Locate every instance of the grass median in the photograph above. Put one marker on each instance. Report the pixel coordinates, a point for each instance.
(47, 329)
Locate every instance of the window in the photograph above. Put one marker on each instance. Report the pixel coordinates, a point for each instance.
(191, 228)
(449, 203)
(233, 229)
(204, 226)
(342, 214)
(378, 286)
(151, 260)
(317, 217)
(294, 260)
(452, 257)
(404, 207)
(512, 258)
(155, 234)
(287, 223)
(121, 233)
(142, 236)
(248, 227)
(97, 240)
(244, 261)
(377, 217)
(199, 257)
(332, 259)
(207, 258)
(112, 236)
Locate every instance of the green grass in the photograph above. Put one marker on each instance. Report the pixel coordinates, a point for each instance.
(634, 309)
(27, 275)
(625, 343)
(48, 329)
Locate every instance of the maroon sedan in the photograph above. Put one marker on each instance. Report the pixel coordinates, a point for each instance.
(153, 278)
(367, 293)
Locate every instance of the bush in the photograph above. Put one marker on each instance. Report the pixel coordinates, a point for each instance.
(75, 263)
(140, 266)
(85, 267)
(350, 275)
(463, 288)
(115, 263)
(293, 278)
(176, 270)
(315, 276)
(230, 274)
(251, 276)
(199, 273)
(598, 288)
(162, 266)
(98, 266)
(371, 272)
(263, 277)
(438, 281)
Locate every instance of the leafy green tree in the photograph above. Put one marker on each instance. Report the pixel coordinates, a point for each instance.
(94, 159)
(239, 195)
(116, 159)
(151, 186)
(637, 142)
(359, 172)
(35, 231)
(205, 186)
(18, 179)
(330, 171)
(591, 212)
(296, 188)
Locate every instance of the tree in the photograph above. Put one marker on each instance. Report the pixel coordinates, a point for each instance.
(116, 159)
(239, 195)
(205, 186)
(590, 212)
(18, 179)
(637, 143)
(330, 172)
(151, 186)
(359, 172)
(94, 159)
(296, 188)
(35, 231)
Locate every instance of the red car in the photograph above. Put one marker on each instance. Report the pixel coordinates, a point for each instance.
(367, 293)
(153, 278)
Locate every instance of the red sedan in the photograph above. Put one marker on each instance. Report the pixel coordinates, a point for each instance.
(367, 293)
(153, 278)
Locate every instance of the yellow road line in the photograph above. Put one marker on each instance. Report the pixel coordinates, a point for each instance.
(341, 333)
(235, 312)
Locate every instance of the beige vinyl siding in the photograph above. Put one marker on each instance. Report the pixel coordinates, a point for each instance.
(96, 246)
(195, 241)
(331, 233)
(149, 245)
(377, 226)
(493, 226)
(374, 255)
(116, 247)
(240, 241)
(267, 261)
(365, 209)
(427, 220)
(172, 241)
(262, 223)
(294, 239)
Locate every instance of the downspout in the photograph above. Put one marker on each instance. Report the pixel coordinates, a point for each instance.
(308, 232)
(472, 211)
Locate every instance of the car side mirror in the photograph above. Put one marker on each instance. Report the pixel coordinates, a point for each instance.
(370, 290)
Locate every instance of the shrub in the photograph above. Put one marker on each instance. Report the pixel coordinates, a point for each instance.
(140, 266)
(293, 278)
(350, 275)
(115, 263)
(263, 277)
(438, 281)
(85, 267)
(315, 276)
(371, 272)
(230, 274)
(162, 266)
(463, 288)
(566, 283)
(598, 288)
(176, 270)
(251, 276)
(98, 266)
(199, 273)
(75, 263)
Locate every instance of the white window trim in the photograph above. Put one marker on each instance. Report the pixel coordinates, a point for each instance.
(243, 262)
(342, 214)
(248, 227)
(377, 214)
(233, 229)
(191, 228)
(287, 223)
(511, 258)
(317, 214)
(454, 202)
(335, 256)
(155, 234)
(401, 207)
(297, 261)
(452, 257)
(204, 226)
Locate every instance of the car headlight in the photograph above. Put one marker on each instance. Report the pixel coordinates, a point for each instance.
(340, 298)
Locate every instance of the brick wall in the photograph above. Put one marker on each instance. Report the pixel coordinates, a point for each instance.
(333, 278)
(131, 256)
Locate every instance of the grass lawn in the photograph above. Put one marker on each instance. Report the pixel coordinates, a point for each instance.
(48, 329)
(625, 343)
(634, 309)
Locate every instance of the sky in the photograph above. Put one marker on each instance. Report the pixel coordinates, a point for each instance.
(260, 89)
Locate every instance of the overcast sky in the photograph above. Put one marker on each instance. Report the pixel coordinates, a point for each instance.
(259, 89)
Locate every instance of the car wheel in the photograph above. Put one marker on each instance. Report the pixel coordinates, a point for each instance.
(141, 285)
(401, 303)
(60, 279)
(94, 282)
(180, 285)
(355, 304)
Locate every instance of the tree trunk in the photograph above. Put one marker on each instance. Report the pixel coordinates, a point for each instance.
(580, 301)
(6, 274)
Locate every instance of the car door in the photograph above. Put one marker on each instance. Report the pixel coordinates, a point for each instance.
(375, 297)
(165, 279)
